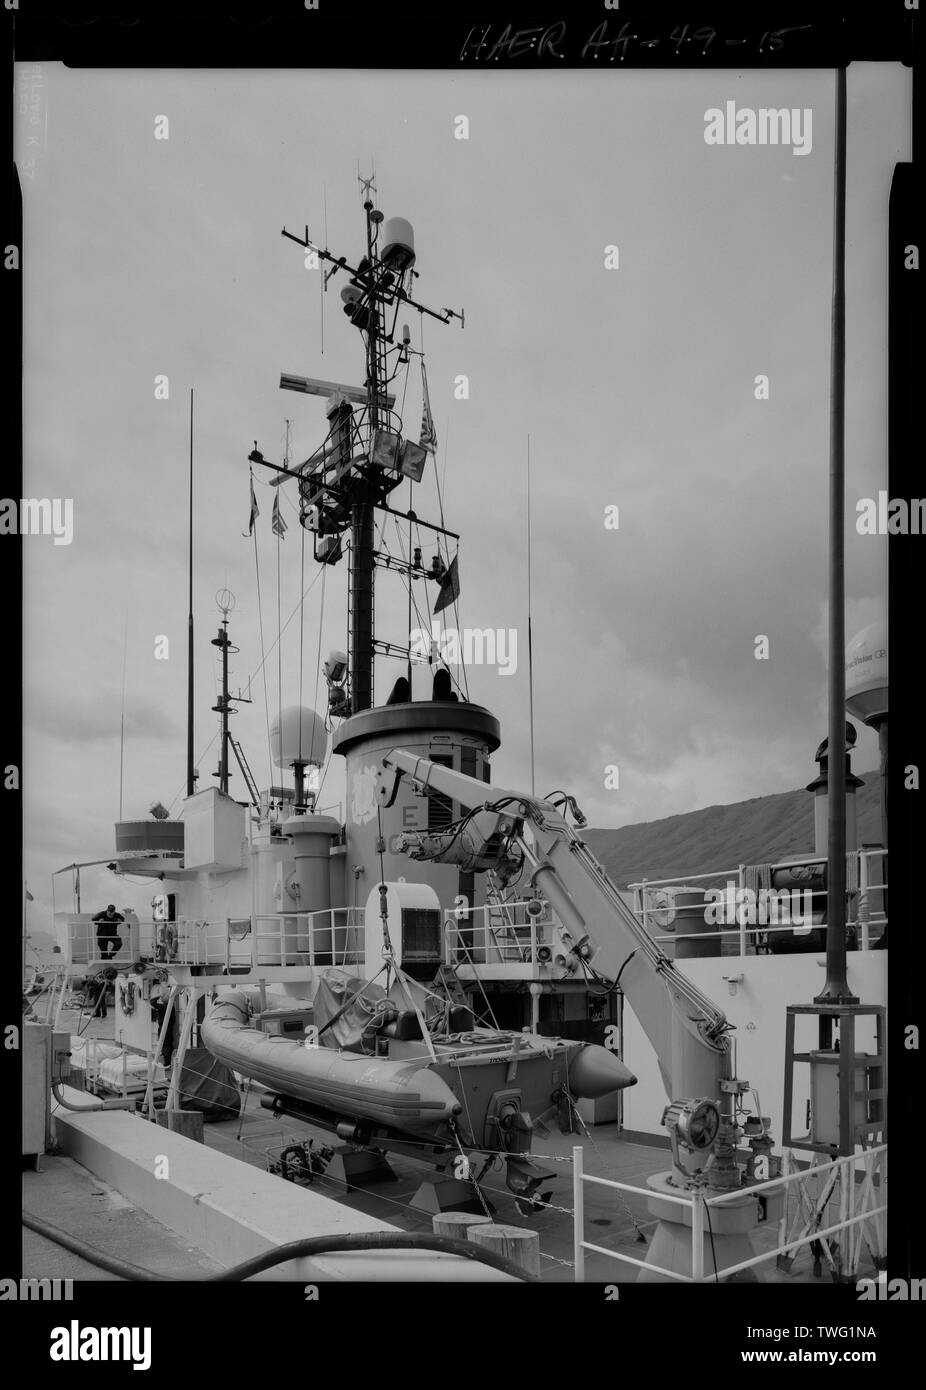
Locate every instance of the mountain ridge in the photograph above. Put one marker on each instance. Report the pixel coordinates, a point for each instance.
(761, 830)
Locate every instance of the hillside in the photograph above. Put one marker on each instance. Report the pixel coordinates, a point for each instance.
(759, 831)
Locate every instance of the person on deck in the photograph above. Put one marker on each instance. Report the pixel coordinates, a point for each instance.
(101, 985)
(107, 938)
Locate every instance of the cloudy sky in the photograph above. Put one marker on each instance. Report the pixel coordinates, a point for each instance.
(636, 385)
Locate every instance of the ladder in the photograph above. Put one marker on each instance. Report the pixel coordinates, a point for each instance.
(246, 772)
(497, 907)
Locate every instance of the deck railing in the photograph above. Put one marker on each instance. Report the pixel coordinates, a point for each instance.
(499, 934)
(330, 937)
(856, 1206)
(768, 907)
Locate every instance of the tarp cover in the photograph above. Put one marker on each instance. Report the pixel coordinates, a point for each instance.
(335, 989)
(207, 1085)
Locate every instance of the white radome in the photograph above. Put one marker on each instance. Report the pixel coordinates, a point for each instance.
(298, 734)
(866, 673)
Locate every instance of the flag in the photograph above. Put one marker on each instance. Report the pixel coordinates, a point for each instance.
(449, 590)
(277, 525)
(428, 438)
(255, 511)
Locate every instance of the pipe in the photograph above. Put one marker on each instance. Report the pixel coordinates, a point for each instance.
(293, 1250)
(119, 1104)
(836, 987)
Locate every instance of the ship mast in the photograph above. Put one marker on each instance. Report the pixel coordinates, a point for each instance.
(363, 459)
(362, 605)
(224, 706)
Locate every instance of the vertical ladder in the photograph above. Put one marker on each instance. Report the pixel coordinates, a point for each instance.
(496, 904)
(246, 772)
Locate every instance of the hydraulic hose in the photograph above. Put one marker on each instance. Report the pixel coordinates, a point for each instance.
(117, 1104)
(293, 1250)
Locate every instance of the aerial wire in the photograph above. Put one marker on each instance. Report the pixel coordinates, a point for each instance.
(263, 653)
(125, 646)
(530, 645)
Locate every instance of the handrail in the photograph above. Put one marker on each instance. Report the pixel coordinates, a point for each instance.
(681, 879)
(697, 1201)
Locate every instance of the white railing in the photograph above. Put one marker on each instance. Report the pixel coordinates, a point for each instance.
(502, 934)
(852, 1195)
(331, 937)
(83, 947)
(735, 930)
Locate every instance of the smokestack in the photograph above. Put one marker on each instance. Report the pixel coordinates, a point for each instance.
(820, 789)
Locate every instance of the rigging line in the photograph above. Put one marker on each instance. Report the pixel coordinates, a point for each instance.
(322, 286)
(302, 628)
(280, 634)
(406, 562)
(424, 624)
(408, 579)
(263, 661)
(125, 648)
(202, 755)
(292, 615)
(440, 503)
(530, 650)
(408, 672)
(318, 658)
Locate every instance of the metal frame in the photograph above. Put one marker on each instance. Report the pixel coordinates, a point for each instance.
(844, 1166)
(851, 1134)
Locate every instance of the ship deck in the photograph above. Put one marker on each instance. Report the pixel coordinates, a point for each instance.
(68, 1195)
(613, 1219)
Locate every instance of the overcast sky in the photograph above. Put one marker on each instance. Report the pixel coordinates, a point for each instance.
(636, 385)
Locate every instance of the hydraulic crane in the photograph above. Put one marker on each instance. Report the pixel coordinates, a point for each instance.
(508, 831)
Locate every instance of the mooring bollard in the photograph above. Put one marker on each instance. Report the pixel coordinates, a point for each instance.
(456, 1224)
(189, 1123)
(515, 1243)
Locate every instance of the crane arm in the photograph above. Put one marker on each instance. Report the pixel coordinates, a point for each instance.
(688, 1033)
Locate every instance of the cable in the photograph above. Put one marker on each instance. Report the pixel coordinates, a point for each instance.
(710, 1231)
(293, 1250)
(263, 655)
(302, 628)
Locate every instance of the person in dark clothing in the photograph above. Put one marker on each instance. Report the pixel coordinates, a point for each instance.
(103, 981)
(159, 1009)
(107, 938)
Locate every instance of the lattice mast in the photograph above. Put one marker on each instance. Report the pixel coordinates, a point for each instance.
(365, 455)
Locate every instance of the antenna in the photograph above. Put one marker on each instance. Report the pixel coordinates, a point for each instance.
(225, 602)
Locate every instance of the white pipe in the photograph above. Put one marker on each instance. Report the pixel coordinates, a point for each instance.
(578, 1215)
